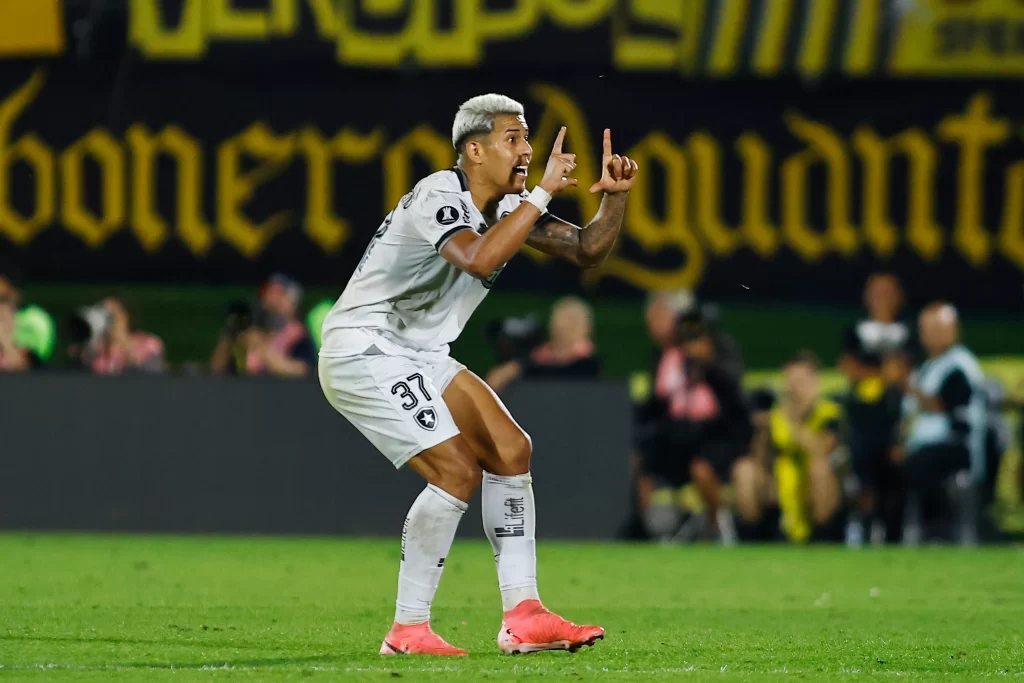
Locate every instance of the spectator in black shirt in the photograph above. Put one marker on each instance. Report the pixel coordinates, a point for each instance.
(872, 410)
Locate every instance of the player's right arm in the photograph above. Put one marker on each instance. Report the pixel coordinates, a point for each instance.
(481, 255)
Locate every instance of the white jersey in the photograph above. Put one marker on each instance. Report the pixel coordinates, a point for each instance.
(403, 289)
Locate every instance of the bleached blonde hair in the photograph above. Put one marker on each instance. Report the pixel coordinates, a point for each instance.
(476, 116)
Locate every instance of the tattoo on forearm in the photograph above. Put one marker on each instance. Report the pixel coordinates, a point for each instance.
(598, 238)
(556, 238)
(586, 246)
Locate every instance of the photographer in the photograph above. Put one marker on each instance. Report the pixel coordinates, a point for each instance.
(268, 341)
(708, 428)
(569, 352)
(105, 342)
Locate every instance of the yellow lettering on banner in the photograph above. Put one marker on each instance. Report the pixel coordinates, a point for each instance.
(232, 22)
(827, 147)
(30, 151)
(323, 226)
(101, 146)
(684, 20)
(419, 36)
(358, 47)
(235, 187)
(147, 31)
(725, 49)
(958, 38)
(707, 159)
(652, 232)
(325, 18)
(422, 141)
(284, 17)
(818, 37)
(771, 39)
(973, 131)
(577, 14)
(147, 223)
(460, 45)
(1011, 238)
(865, 28)
(511, 23)
(761, 235)
(560, 109)
(923, 233)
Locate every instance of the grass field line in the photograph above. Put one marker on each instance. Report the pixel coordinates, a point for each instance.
(516, 669)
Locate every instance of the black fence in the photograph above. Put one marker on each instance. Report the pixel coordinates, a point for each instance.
(263, 456)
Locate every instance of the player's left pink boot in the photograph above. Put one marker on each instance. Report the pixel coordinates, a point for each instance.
(417, 639)
(531, 627)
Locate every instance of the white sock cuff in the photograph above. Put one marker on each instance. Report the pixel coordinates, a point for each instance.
(448, 498)
(515, 481)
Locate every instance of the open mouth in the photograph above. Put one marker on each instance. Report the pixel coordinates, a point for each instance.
(519, 170)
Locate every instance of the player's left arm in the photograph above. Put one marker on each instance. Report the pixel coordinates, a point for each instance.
(590, 246)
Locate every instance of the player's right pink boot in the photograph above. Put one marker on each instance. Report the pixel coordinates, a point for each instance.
(417, 639)
(531, 627)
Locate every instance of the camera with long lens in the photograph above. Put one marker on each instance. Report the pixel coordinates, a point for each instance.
(89, 324)
(514, 338)
(238, 317)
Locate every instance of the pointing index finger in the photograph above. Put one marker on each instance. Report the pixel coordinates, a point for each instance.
(607, 142)
(557, 149)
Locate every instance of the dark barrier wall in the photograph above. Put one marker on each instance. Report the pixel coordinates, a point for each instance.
(263, 456)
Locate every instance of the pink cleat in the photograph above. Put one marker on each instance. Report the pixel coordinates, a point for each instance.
(417, 639)
(531, 627)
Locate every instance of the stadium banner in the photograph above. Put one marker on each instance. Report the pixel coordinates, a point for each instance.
(707, 38)
(752, 190)
(960, 38)
(271, 456)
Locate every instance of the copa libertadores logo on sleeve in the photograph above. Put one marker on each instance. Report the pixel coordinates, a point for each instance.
(446, 215)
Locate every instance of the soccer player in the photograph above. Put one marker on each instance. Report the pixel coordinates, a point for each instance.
(384, 362)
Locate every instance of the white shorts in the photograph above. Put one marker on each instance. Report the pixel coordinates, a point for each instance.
(391, 394)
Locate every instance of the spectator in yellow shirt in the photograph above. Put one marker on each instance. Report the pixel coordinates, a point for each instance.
(794, 463)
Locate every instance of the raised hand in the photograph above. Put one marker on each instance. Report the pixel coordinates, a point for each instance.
(617, 172)
(556, 174)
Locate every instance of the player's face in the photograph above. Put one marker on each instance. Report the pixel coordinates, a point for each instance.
(506, 157)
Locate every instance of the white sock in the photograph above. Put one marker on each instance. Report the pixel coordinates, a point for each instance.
(510, 522)
(426, 539)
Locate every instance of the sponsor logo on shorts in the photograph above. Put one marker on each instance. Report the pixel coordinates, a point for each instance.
(446, 215)
(427, 419)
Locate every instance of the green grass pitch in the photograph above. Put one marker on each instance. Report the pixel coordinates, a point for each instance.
(146, 608)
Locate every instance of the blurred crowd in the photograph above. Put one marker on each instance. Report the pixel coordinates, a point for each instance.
(260, 336)
(907, 450)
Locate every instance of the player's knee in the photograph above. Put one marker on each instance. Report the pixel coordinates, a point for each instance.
(460, 477)
(517, 452)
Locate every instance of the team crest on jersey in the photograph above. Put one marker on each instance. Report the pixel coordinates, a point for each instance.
(427, 419)
(446, 215)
